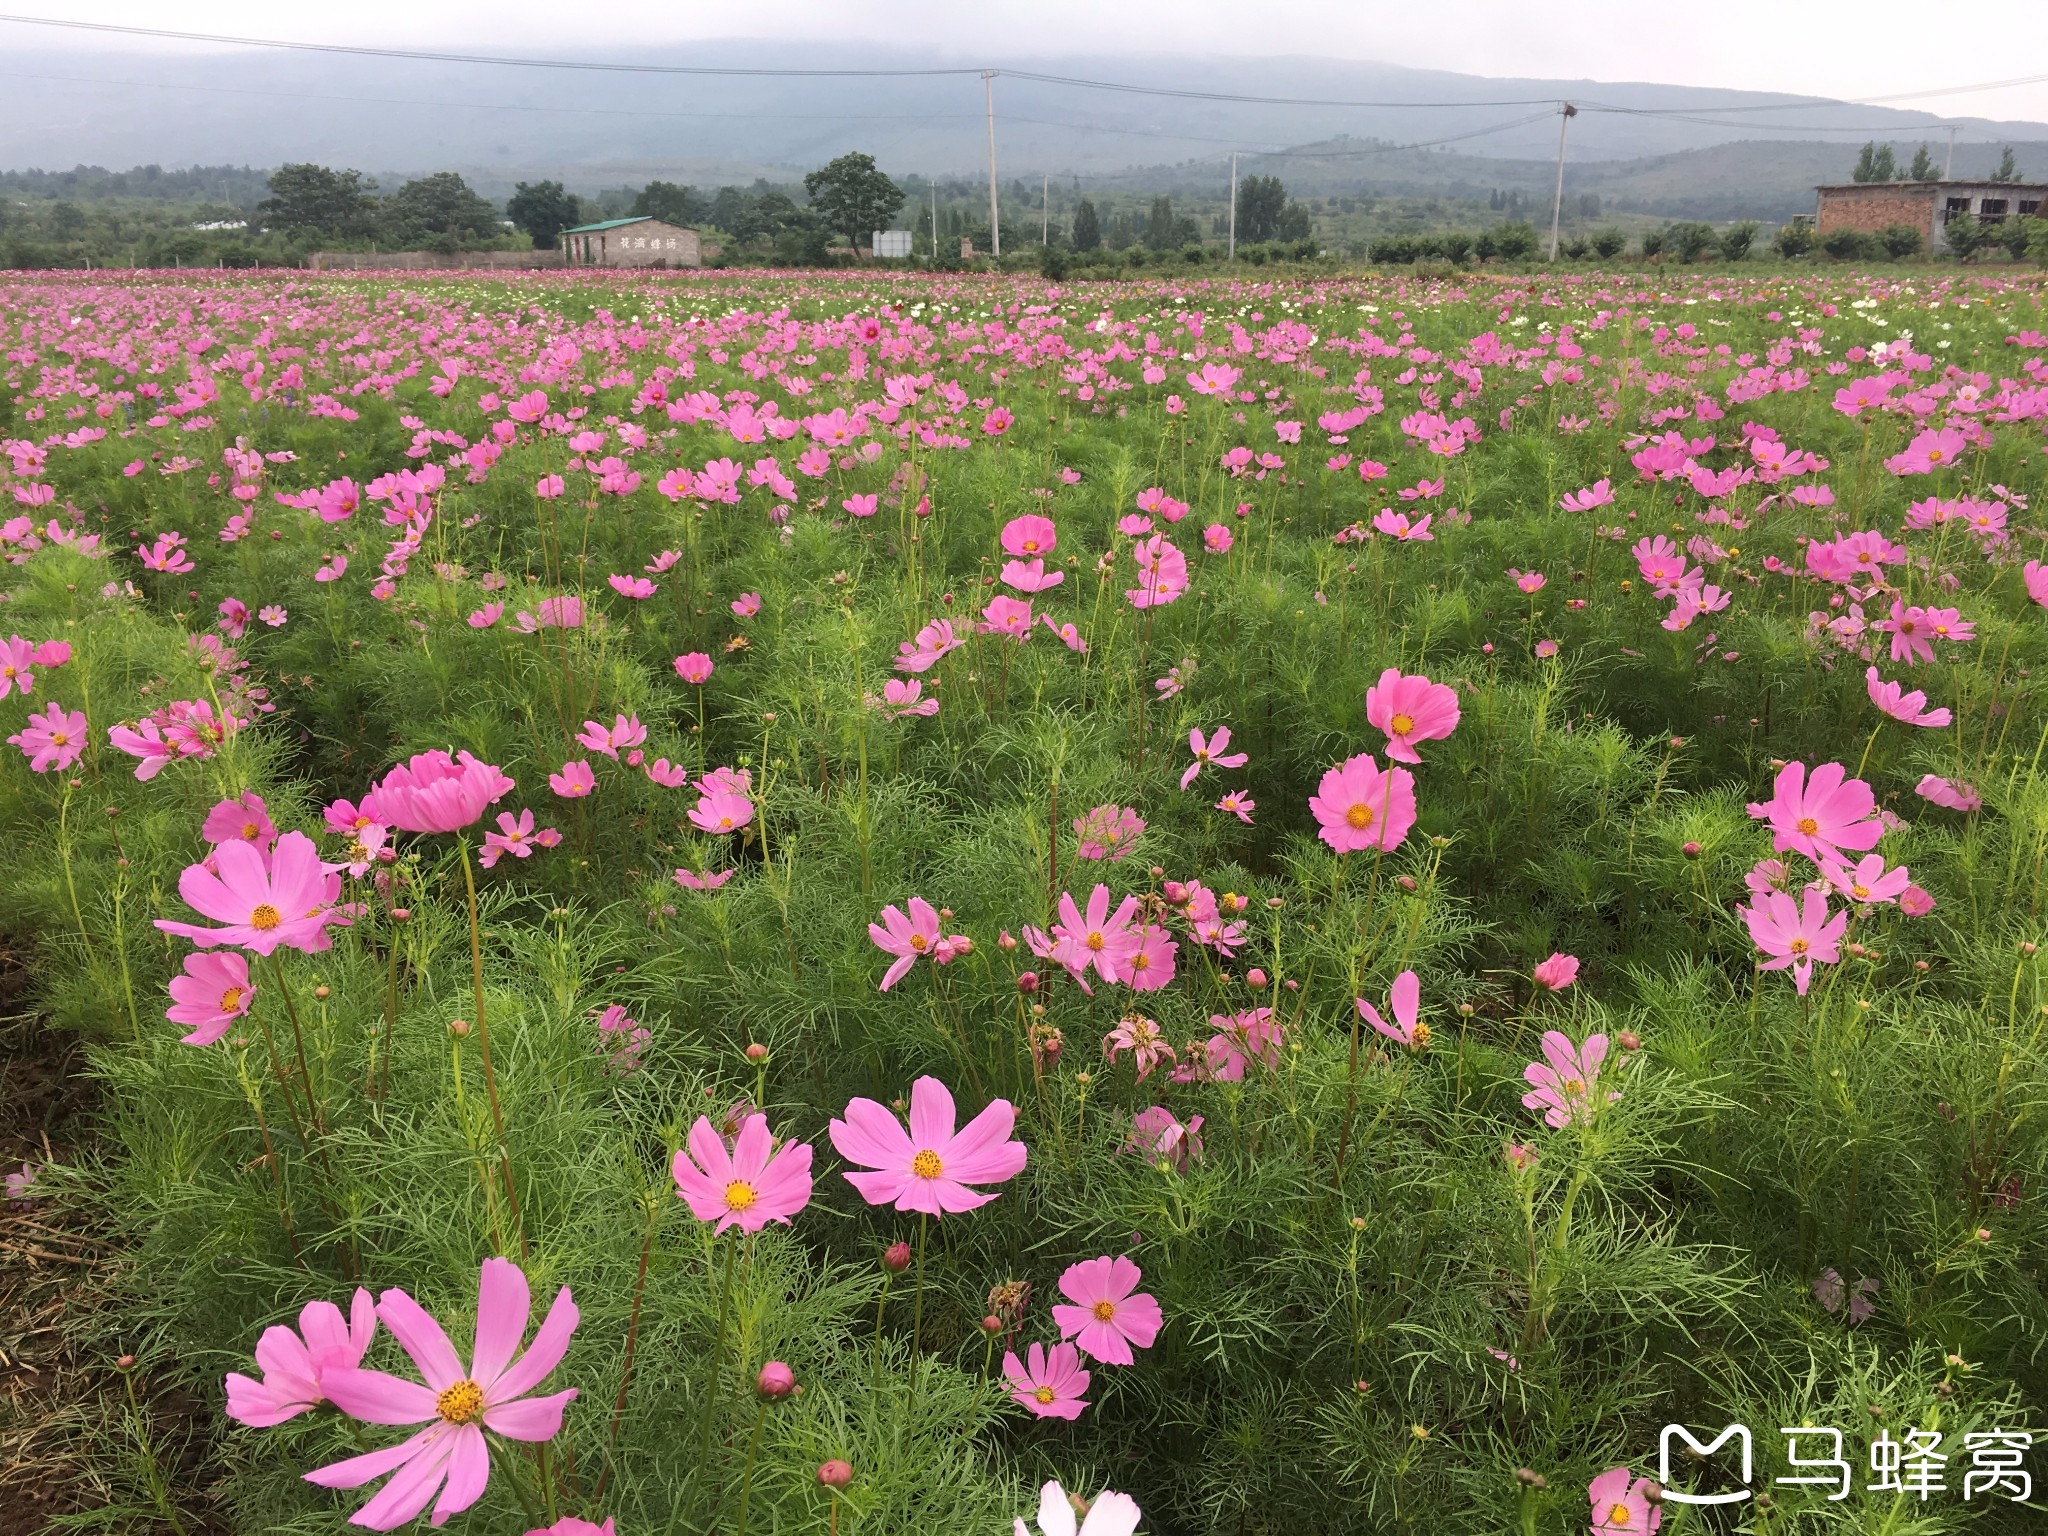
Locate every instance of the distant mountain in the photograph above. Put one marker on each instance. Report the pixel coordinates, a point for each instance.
(1748, 151)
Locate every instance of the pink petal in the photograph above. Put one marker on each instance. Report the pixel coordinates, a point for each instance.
(549, 1344)
(375, 1397)
(932, 1114)
(871, 1136)
(982, 1152)
(418, 1334)
(531, 1418)
(413, 1486)
(503, 1305)
(469, 1470)
(354, 1471)
(881, 1188)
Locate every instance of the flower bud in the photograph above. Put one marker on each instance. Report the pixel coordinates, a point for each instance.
(896, 1258)
(458, 1027)
(1629, 1040)
(1156, 871)
(1406, 882)
(1175, 892)
(757, 1052)
(1691, 850)
(322, 992)
(1255, 977)
(776, 1380)
(991, 1324)
(1530, 1478)
(401, 914)
(1653, 1494)
(125, 1363)
(835, 1474)
(1027, 982)
(1005, 942)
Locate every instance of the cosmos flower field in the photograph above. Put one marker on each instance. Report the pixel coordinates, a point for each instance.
(810, 904)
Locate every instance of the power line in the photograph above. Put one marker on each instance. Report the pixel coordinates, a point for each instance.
(953, 71)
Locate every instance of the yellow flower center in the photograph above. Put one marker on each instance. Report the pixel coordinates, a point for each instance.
(250, 831)
(1420, 1035)
(1095, 941)
(1403, 724)
(1799, 946)
(1619, 1515)
(918, 941)
(1860, 892)
(1043, 1394)
(459, 1404)
(1359, 816)
(1140, 960)
(265, 918)
(1104, 1311)
(739, 1195)
(60, 739)
(1808, 826)
(10, 671)
(231, 999)
(927, 1165)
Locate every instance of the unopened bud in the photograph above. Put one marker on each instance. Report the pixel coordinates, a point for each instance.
(1406, 882)
(1530, 1478)
(1653, 1493)
(401, 914)
(1255, 977)
(1691, 850)
(776, 1380)
(896, 1258)
(458, 1027)
(1027, 982)
(1005, 942)
(757, 1052)
(323, 992)
(1629, 1040)
(835, 1474)
(991, 1324)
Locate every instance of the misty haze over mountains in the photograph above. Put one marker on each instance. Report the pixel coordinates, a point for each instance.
(1743, 152)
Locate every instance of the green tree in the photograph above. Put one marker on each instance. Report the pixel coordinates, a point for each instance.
(2008, 168)
(1294, 224)
(313, 200)
(1159, 224)
(1900, 241)
(1261, 202)
(1922, 168)
(1875, 163)
(543, 209)
(440, 211)
(851, 197)
(1846, 244)
(1794, 240)
(1965, 236)
(670, 203)
(1609, 243)
(1736, 240)
(1515, 242)
(1087, 227)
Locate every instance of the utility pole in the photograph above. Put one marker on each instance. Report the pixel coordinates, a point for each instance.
(1233, 207)
(995, 218)
(935, 221)
(1949, 164)
(1045, 211)
(1565, 115)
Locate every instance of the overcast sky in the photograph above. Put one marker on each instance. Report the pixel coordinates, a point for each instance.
(1855, 49)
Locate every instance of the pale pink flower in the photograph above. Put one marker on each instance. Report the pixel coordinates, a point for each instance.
(1108, 1313)
(1410, 709)
(1404, 1001)
(1868, 880)
(1557, 973)
(1795, 933)
(210, 993)
(1564, 1078)
(294, 1362)
(1622, 1507)
(1906, 708)
(575, 781)
(1359, 807)
(1209, 752)
(1826, 813)
(1051, 1386)
(1142, 1038)
(755, 1183)
(695, 667)
(905, 937)
(931, 1167)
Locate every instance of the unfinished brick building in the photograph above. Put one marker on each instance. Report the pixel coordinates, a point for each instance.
(1927, 206)
(632, 242)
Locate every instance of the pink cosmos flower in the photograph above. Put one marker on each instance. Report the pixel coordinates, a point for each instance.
(1007, 616)
(234, 617)
(1906, 708)
(1051, 1386)
(905, 937)
(457, 1406)
(1410, 708)
(1107, 832)
(17, 659)
(667, 774)
(1531, 582)
(1162, 573)
(1395, 525)
(1564, 1078)
(753, 1184)
(721, 810)
(53, 739)
(1795, 934)
(1915, 902)
(245, 820)
(1868, 880)
(515, 837)
(1030, 576)
(930, 1167)
(694, 667)
(1404, 1001)
(1217, 539)
(1157, 1134)
(1238, 805)
(1953, 794)
(1912, 635)
(1621, 1507)
(1106, 1319)
(435, 793)
(1826, 814)
(2035, 575)
(261, 907)
(1599, 494)
(1209, 752)
(293, 1363)
(933, 641)
(486, 616)
(1360, 807)
(901, 697)
(1110, 1513)
(639, 588)
(747, 604)
(575, 781)
(1097, 938)
(1214, 379)
(1142, 1038)
(212, 992)
(1557, 973)
(1030, 535)
(690, 880)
